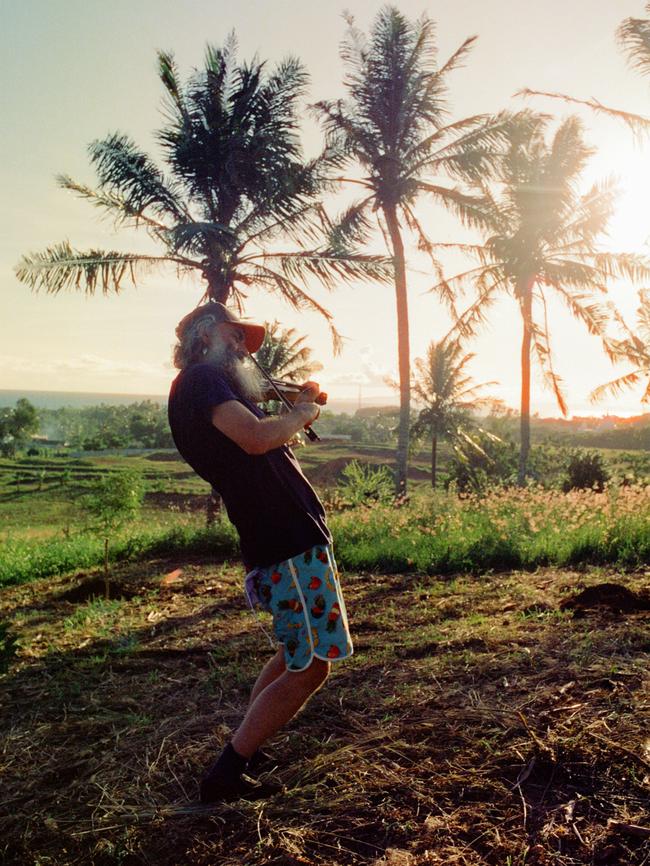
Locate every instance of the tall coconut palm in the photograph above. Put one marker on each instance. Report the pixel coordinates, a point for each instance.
(235, 188)
(544, 237)
(633, 35)
(448, 396)
(394, 126)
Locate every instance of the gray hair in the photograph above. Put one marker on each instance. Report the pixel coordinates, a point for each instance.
(191, 333)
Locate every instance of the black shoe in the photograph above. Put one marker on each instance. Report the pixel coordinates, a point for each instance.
(216, 788)
(261, 761)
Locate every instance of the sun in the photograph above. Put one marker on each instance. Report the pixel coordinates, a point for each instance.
(629, 227)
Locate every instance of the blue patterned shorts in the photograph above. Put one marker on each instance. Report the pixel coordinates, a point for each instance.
(304, 596)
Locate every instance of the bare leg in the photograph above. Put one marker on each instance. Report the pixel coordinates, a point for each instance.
(274, 667)
(277, 704)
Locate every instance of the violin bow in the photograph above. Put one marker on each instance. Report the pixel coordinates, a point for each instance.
(311, 433)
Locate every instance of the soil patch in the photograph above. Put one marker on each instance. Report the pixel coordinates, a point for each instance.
(478, 723)
(178, 501)
(613, 596)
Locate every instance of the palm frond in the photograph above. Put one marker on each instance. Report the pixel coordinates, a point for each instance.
(634, 35)
(328, 267)
(127, 171)
(542, 345)
(457, 59)
(471, 157)
(116, 205)
(168, 74)
(637, 123)
(306, 222)
(277, 281)
(283, 354)
(352, 227)
(590, 215)
(607, 266)
(467, 324)
(60, 267)
(617, 386)
(471, 210)
(460, 281)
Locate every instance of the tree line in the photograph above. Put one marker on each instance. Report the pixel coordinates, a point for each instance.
(239, 205)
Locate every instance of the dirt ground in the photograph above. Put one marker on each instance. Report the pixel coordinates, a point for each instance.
(501, 719)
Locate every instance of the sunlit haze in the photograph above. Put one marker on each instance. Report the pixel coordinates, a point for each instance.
(75, 71)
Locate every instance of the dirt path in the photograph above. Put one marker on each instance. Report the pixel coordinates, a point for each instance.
(480, 721)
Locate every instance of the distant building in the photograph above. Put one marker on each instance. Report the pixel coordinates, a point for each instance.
(45, 442)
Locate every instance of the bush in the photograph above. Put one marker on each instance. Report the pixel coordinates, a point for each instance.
(585, 470)
(478, 471)
(363, 484)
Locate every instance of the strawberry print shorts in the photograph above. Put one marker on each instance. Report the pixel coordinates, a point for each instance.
(304, 596)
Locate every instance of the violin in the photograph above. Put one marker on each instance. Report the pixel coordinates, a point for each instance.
(277, 389)
(288, 390)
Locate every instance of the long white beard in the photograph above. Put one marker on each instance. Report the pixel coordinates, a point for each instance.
(244, 378)
(247, 380)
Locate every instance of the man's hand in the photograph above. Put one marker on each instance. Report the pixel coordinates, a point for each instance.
(308, 397)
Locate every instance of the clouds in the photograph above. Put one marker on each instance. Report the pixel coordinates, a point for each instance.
(83, 370)
(367, 372)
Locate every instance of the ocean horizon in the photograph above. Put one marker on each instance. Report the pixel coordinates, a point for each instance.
(74, 399)
(80, 399)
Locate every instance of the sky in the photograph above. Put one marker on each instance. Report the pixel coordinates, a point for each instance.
(75, 71)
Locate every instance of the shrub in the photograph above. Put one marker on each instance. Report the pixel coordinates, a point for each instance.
(475, 470)
(363, 484)
(585, 470)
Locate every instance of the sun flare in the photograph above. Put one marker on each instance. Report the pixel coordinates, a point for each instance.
(629, 229)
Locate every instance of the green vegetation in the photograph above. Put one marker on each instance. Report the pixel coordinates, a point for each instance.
(95, 428)
(365, 485)
(45, 531)
(112, 502)
(16, 427)
(448, 394)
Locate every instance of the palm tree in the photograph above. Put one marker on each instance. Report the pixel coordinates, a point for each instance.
(236, 186)
(448, 395)
(394, 126)
(544, 236)
(284, 355)
(634, 36)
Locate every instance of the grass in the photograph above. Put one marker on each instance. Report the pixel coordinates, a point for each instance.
(481, 720)
(435, 533)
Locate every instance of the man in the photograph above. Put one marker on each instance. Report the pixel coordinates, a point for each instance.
(285, 542)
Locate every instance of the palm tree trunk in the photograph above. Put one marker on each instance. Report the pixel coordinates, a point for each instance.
(526, 312)
(403, 348)
(434, 449)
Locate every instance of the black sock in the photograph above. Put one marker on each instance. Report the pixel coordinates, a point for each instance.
(230, 764)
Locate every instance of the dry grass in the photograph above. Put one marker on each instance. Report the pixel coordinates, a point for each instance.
(478, 722)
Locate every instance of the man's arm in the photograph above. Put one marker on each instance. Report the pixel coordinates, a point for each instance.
(259, 435)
